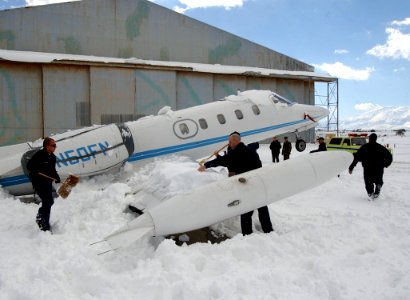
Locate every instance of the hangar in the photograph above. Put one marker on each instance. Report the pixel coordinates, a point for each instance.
(70, 65)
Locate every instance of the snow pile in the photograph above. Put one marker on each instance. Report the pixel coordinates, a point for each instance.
(329, 242)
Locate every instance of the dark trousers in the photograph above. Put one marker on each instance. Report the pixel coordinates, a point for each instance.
(286, 156)
(275, 158)
(45, 192)
(264, 218)
(373, 180)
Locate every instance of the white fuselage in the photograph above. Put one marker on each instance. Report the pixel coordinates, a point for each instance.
(233, 196)
(195, 131)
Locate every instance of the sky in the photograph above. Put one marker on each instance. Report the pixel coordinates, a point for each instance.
(366, 44)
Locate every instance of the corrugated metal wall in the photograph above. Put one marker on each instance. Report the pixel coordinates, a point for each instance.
(131, 28)
(21, 108)
(39, 99)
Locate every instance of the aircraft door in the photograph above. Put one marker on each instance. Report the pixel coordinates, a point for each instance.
(185, 129)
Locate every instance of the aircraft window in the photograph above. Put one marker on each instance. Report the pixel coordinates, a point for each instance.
(239, 114)
(278, 98)
(221, 118)
(184, 128)
(255, 109)
(203, 123)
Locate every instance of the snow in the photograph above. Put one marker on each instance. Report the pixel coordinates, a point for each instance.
(45, 57)
(329, 242)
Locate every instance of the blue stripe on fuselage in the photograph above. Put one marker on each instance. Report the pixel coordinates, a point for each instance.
(189, 146)
(14, 180)
(21, 179)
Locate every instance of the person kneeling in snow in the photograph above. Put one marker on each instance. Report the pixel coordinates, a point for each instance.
(374, 158)
(322, 146)
(240, 159)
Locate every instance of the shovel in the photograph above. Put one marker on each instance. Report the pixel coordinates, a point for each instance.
(65, 188)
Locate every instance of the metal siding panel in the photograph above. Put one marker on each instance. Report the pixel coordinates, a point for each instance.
(63, 88)
(193, 89)
(154, 90)
(258, 83)
(132, 28)
(225, 85)
(112, 92)
(292, 89)
(20, 103)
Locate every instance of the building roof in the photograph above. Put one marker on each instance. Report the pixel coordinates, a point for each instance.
(60, 58)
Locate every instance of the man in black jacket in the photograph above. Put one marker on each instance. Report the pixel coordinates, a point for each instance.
(275, 149)
(322, 146)
(286, 149)
(240, 159)
(374, 158)
(42, 167)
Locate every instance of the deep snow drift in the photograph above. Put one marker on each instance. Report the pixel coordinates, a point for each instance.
(329, 242)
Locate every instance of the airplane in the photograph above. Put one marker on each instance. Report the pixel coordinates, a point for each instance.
(230, 197)
(196, 132)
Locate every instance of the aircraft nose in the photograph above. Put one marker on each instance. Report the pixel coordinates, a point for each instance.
(317, 112)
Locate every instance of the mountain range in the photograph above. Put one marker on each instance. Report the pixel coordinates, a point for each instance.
(374, 116)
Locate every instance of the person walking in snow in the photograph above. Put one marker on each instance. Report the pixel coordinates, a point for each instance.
(275, 147)
(322, 146)
(44, 163)
(286, 149)
(374, 158)
(240, 159)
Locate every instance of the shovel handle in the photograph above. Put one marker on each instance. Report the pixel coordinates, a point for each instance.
(46, 176)
(219, 150)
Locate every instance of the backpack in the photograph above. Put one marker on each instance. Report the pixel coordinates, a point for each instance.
(27, 156)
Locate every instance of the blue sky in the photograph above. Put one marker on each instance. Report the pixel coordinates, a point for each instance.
(366, 43)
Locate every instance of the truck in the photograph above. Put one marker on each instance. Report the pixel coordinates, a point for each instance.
(350, 143)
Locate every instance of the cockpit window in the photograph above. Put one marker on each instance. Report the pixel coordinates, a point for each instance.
(279, 99)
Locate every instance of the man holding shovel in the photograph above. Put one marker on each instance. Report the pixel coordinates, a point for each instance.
(42, 167)
(240, 159)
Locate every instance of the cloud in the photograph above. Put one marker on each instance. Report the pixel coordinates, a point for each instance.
(401, 69)
(44, 2)
(193, 4)
(397, 45)
(367, 107)
(404, 22)
(342, 71)
(341, 51)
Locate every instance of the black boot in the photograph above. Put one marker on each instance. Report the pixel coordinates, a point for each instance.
(377, 191)
(41, 223)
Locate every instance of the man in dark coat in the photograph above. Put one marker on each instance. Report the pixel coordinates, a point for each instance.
(275, 149)
(374, 158)
(44, 163)
(322, 146)
(287, 148)
(239, 159)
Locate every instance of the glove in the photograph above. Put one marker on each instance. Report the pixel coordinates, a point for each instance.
(58, 180)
